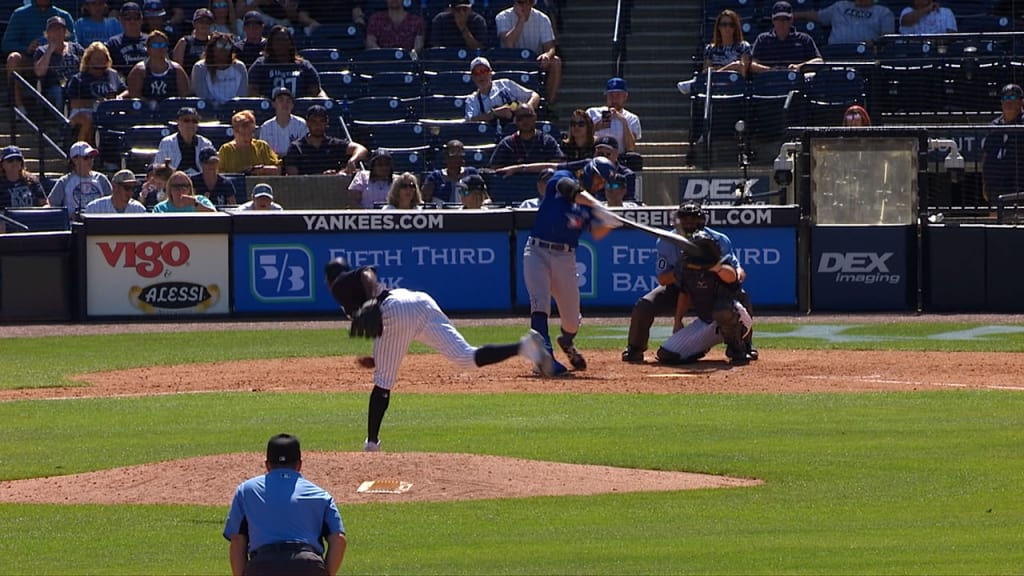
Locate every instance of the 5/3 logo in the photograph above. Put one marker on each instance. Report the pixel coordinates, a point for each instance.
(281, 273)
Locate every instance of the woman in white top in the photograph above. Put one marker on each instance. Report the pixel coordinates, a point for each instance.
(220, 76)
(404, 193)
(371, 186)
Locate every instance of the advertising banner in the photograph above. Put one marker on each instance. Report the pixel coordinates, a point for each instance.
(466, 271)
(718, 188)
(158, 274)
(862, 267)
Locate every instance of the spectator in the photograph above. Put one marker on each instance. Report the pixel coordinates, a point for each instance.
(277, 521)
(285, 127)
(182, 148)
(395, 28)
(56, 61)
(223, 18)
(613, 119)
(262, 199)
(856, 116)
(95, 82)
(1003, 151)
(728, 51)
(23, 36)
(252, 44)
(96, 26)
(441, 185)
(370, 186)
(542, 184)
(191, 48)
(853, 21)
(220, 76)
(155, 20)
(82, 185)
(578, 142)
(128, 48)
(281, 65)
(783, 47)
(154, 189)
(495, 100)
(18, 188)
(523, 26)
(404, 193)
(473, 192)
(927, 17)
(272, 12)
(315, 13)
(120, 200)
(605, 146)
(245, 153)
(318, 153)
(526, 144)
(615, 195)
(459, 27)
(181, 197)
(157, 77)
(210, 183)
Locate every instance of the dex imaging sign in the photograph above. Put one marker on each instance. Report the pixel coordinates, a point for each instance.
(127, 276)
(858, 267)
(862, 267)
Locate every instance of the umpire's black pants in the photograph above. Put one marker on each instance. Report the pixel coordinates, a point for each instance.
(658, 302)
(286, 558)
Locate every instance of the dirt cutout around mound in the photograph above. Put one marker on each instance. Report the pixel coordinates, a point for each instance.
(210, 480)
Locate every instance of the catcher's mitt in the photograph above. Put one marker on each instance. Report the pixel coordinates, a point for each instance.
(367, 322)
(708, 253)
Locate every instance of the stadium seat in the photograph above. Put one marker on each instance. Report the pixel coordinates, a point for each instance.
(346, 38)
(39, 219)
(510, 189)
(475, 156)
(971, 85)
(261, 107)
(167, 109)
(395, 84)
(114, 119)
(398, 135)
(446, 59)
(829, 92)
(727, 94)
(370, 62)
(413, 159)
(528, 80)
(343, 85)
(469, 133)
(550, 129)
(512, 59)
(846, 52)
(448, 84)
(378, 109)
(769, 94)
(217, 132)
(302, 105)
(436, 108)
(325, 59)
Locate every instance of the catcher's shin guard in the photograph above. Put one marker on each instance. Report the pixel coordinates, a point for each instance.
(748, 340)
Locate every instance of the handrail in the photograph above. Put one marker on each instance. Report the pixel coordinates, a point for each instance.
(619, 32)
(44, 138)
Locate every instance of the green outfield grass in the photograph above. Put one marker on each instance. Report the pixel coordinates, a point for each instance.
(880, 483)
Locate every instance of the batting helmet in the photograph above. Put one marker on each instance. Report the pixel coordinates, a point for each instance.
(600, 166)
(335, 268)
(690, 217)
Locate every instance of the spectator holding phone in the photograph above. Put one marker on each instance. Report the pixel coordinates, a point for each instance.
(613, 119)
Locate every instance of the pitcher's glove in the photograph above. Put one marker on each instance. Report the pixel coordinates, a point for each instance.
(707, 255)
(367, 322)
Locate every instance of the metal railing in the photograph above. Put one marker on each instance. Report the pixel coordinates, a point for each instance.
(623, 18)
(44, 141)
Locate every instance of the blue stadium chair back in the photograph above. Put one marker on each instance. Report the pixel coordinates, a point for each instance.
(147, 135)
(983, 23)
(723, 84)
(769, 93)
(972, 85)
(442, 108)
(446, 59)
(399, 135)
(511, 189)
(410, 159)
(217, 132)
(550, 129)
(346, 38)
(302, 105)
(475, 156)
(167, 109)
(839, 86)
(397, 84)
(120, 114)
(508, 59)
(325, 59)
(813, 29)
(369, 62)
(378, 109)
(431, 8)
(449, 84)
(775, 83)
(261, 107)
(469, 133)
(911, 49)
(528, 80)
(39, 219)
(848, 52)
(343, 85)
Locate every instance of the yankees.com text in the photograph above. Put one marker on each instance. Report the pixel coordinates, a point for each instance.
(340, 222)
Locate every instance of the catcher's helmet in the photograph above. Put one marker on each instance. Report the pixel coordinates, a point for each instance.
(690, 217)
(600, 166)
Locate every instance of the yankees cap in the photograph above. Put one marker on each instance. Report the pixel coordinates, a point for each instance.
(283, 449)
(262, 189)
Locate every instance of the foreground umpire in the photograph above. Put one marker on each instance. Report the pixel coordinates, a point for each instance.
(278, 521)
(691, 218)
(394, 318)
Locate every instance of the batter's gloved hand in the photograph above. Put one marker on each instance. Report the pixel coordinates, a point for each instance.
(367, 322)
(708, 253)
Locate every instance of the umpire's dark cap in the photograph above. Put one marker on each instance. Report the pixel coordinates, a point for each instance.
(283, 449)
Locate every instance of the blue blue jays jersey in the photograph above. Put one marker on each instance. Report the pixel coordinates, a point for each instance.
(558, 219)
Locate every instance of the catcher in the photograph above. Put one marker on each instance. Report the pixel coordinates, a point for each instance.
(709, 284)
(394, 318)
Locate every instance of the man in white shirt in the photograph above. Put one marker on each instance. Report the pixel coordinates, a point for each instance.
(183, 146)
(284, 128)
(120, 200)
(495, 99)
(523, 26)
(613, 119)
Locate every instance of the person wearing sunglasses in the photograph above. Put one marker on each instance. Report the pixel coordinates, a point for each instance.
(1002, 150)
(495, 100)
(95, 25)
(181, 197)
(404, 193)
(96, 81)
(157, 77)
(728, 50)
(855, 116)
(222, 14)
(154, 19)
(182, 148)
(219, 76)
(191, 48)
(578, 142)
(783, 47)
(129, 47)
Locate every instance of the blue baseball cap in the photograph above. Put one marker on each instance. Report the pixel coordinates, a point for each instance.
(616, 84)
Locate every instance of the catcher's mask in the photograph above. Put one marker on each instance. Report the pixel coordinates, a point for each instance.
(690, 217)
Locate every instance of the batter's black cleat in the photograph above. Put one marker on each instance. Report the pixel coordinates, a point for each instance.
(632, 355)
(575, 358)
(751, 352)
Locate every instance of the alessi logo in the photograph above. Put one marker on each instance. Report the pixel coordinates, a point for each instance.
(147, 258)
